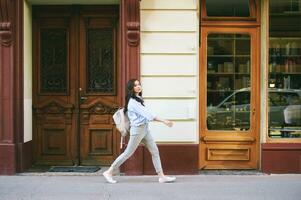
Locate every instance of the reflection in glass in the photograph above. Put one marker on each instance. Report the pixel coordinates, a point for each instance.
(284, 113)
(228, 82)
(285, 69)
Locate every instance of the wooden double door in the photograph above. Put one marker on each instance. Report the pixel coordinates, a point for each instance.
(75, 84)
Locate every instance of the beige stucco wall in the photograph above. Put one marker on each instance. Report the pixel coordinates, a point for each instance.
(27, 72)
(169, 66)
(264, 71)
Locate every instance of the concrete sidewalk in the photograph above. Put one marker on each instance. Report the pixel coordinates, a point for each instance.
(57, 186)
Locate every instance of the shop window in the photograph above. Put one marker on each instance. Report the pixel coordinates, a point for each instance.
(228, 81)
(284, 69)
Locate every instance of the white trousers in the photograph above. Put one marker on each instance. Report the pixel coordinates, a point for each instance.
(137, 135)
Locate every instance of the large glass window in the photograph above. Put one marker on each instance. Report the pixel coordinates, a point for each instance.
(284, 69)
(228, 81)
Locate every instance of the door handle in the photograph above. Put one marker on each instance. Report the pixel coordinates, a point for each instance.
(253, 111)
(83, 98)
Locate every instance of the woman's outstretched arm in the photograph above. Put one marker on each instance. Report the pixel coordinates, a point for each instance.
(164, 121)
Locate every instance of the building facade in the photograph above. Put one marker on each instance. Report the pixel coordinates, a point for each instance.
(226, 72)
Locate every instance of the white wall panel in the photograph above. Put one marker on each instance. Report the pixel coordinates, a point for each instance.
(168, 43)
(168, 65)
(168, 21)
(174, 109)
(169, 86)
(180, 132)
(168, 4)
(27, 42)
(27, 120)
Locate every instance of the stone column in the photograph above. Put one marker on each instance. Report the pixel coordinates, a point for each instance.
(130, 64)
(11, 85)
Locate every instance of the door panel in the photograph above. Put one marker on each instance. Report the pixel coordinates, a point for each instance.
(97, 89)
(229, 128)
(98, 136)
(53, 102)
(75, 84)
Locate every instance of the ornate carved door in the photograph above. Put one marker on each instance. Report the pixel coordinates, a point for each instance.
(75, 80)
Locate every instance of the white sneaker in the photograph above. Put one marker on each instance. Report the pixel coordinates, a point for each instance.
(167, 179)
(108, 177)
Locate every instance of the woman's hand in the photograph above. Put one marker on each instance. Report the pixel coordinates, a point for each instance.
(164, 121)
(168, 123)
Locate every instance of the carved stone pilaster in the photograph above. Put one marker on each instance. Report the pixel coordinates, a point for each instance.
(11, 104)
(130, 39)
(6, 33)
(133, 22)
(130, 61)
(133, 33)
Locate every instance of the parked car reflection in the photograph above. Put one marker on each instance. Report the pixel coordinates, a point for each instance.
(233, 113)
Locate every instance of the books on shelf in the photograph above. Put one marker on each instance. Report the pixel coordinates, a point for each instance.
(291, 48)
(292, 66)
(246, 81)
(224, 83)
(243, 82)
(288, 67)
(220, 67)
(244, 68)
(238, 83)
(228, 67)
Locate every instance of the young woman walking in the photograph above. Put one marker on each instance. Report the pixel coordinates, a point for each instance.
(139, 118)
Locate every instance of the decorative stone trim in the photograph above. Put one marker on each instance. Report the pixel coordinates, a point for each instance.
(133, 33)
(6, 35)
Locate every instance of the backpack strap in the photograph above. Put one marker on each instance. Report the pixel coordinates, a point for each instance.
(121, 141)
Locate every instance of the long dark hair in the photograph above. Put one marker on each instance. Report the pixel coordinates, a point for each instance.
(131, 94)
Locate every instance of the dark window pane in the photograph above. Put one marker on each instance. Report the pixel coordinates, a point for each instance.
(53, 62)
(229, 8)
(100, 76)
(284, 6)
(285, 18)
